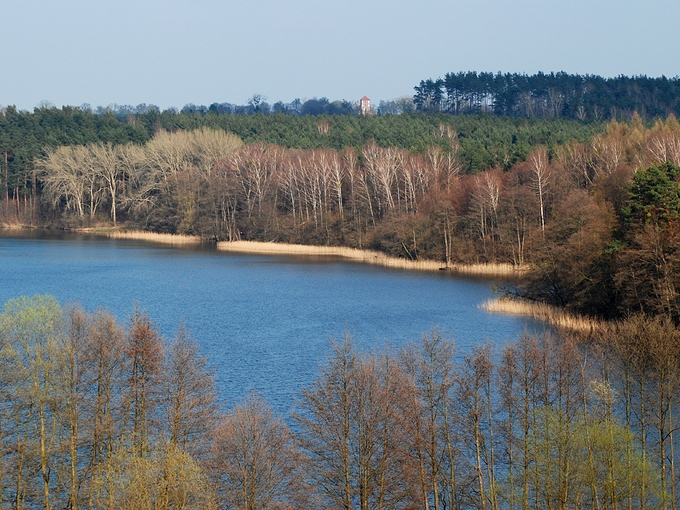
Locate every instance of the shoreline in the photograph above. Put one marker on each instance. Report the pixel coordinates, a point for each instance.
(367, 257)
(543, 312)
(505, 305)
(140, 235)
(305, 250)
(498, 270)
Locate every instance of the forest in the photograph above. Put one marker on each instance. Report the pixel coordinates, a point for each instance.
(101, 414)
(486, 141)
(573, 96)
(595, 220)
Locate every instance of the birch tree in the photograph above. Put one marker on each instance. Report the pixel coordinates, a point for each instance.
(541, 176)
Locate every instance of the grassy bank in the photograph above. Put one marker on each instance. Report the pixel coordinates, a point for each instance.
(540, 311)
(366, 257)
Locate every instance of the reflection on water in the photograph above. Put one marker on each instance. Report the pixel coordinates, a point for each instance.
(265, 322)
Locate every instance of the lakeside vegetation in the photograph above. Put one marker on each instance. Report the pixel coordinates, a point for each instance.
(99, 414)
(594, 221)
(553, 315)
(365, 257)
(587, 212)
(154, 237)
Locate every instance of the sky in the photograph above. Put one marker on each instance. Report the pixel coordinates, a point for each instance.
(175, 52)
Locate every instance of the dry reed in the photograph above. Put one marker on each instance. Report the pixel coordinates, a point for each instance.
(363, 256)
(541, 311)
(367, 257)
(171, 239)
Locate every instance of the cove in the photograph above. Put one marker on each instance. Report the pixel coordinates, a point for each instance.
(264, 322)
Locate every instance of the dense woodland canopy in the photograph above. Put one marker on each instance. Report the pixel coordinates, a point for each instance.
(486, 141)
(572, 96)
(589, 218)
(99, 414)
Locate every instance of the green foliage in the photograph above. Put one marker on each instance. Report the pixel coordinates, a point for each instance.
(486, 140)
(549, 95)
(31, 320)
(654, 195)
(589, 459)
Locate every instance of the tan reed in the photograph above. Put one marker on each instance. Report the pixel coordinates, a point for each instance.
(541, 311)
(367, 257)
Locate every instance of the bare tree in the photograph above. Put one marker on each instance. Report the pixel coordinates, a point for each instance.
(382, 165)
(608, 149)
(144, 353)
(107, 167)
(253, 462)
(350, 434)
(429, 424)
(209, 146)
(254, 167)
(190, 396)
(486, 199)
(325, 419)
(541, 179)
(103, 370)
(63, 178)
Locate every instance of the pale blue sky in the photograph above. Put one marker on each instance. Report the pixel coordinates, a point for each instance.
(174, 52)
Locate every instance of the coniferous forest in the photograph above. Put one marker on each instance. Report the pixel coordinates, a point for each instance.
(565, 95)
(573, 179)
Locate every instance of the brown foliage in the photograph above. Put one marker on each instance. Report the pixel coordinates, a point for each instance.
(253, 462)
(144, 352)
(571, 265)
(190, 399)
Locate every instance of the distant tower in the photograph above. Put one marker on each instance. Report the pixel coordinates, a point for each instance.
(365, 106)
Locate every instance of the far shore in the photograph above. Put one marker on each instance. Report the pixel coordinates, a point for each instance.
(140, 235)
(363, 256)
(271, 248)
(367, 257)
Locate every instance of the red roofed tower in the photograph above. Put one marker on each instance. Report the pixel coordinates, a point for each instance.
(365, 105)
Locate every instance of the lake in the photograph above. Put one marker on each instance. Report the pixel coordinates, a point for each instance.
(265, 322)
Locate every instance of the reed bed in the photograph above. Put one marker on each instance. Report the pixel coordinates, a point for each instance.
(366, 257)
(171, 239)
(362, 256)
(508, 270)
(541, 311)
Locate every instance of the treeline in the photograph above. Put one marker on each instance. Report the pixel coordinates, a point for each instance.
(95, 414)
(573, 96)
(595, 221)
(485, 141)
(610, 247)
(257, 104)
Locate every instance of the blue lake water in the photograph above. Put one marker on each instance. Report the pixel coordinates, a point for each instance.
(265, 322)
